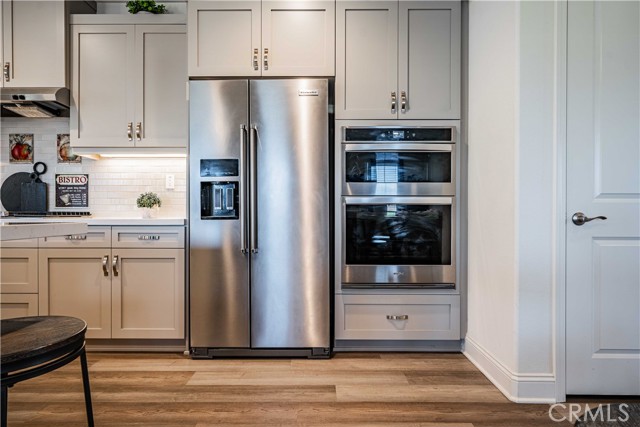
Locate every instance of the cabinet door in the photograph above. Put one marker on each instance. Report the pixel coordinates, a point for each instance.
(19, 270)
(77, 282)
(148, 293)
(161, 101)
(18, 305)
(366, 59)
(103, 82)
(298, 38)
(34, 43)
(224, 38)
(429, 59)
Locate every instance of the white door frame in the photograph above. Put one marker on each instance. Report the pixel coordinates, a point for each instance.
(560, 308)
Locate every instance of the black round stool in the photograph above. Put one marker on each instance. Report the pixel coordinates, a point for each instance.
(32, 346)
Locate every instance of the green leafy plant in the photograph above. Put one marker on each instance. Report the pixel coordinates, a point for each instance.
(148, 200)
(136, 6)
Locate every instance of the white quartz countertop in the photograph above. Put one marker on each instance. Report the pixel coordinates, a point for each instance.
(90, 220)
(10, 230)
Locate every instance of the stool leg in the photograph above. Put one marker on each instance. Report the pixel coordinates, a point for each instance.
(5, 401)
(87, 389)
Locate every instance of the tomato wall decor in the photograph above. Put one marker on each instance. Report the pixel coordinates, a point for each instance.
(21, 148)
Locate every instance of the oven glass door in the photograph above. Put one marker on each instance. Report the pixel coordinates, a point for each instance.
(398, 169)
(399, 240)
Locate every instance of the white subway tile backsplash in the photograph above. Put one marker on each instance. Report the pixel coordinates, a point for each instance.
(114, 183)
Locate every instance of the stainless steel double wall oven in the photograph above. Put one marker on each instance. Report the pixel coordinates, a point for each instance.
(398, 210)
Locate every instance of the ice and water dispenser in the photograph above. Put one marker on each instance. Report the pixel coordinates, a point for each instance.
(219, 199)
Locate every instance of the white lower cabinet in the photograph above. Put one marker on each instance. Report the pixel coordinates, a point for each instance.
(147, 293)
(19, 279)
(397, 317)
(77, 283)
(120, 292)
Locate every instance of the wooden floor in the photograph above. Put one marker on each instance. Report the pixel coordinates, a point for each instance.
(371, 389)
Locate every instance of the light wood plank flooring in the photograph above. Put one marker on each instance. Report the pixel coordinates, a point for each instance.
(350, 390)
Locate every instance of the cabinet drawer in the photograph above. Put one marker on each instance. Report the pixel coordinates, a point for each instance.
(18, 305)
(148, 237)
(398, 317)
(22, 243)
(97, 237)
(19, 270)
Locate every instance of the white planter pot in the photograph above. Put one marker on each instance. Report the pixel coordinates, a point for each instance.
(148, 213)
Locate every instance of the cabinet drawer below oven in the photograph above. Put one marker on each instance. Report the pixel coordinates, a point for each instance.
(397, 317)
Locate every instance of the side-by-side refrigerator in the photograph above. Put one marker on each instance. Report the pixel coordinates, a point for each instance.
(259, 218)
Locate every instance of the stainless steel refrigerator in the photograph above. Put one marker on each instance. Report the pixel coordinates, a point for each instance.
(259, 218)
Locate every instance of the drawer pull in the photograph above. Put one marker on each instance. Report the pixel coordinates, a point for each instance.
(76, 237)
(148, 237)
(397, 317)
(105, 269)
(114, 265)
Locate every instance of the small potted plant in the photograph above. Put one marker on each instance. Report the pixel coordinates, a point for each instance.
(149, 203)
(148, 6)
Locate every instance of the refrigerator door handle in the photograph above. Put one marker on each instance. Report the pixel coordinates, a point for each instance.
(253, 189)
(243, 190)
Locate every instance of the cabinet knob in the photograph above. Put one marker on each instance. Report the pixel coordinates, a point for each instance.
(7, 68)
(393, 102)
(130, 131)
(266, 59)
(403, 102)
(139, 131)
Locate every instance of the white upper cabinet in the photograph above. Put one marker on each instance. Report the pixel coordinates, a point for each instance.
(398, 59)
(269, 38)
(33, 44)
(128, 86)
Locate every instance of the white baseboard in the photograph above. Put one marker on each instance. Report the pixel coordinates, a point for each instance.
(520, 388)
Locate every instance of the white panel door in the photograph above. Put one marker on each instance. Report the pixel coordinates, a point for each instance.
(148, 293)
(366, 59)
(34, 43)
(298, 38)
(429, 60)
(161, 101)
(224, 38)
(77, 283)
(603, 178)
(103, 86)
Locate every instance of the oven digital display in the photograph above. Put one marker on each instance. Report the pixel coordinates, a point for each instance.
(382, 134)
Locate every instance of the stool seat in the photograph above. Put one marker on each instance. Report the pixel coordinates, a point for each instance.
(32, 346)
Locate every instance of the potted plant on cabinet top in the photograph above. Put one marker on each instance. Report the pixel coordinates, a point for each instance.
(149, 203)
(148, 6)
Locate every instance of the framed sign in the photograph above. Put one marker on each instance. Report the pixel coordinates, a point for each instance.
(72, 190)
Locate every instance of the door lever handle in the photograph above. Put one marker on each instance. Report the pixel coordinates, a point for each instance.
(579, 218)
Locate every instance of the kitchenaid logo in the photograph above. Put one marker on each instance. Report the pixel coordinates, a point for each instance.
(616, 413)
(71, 179)
(308, 92)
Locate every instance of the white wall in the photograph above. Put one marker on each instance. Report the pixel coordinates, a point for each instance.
(512, 182)
(114, 184)
(492, 136)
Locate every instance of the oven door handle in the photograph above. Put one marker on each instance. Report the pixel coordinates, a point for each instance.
(397, 200)
(399, 147)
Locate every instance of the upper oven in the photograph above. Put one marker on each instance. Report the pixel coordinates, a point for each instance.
(398, 160)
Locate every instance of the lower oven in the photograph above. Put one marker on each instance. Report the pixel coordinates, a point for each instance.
(398, 242)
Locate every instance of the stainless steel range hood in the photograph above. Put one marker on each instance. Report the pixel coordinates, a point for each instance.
(35, 102)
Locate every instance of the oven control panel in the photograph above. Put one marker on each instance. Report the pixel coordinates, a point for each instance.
(398, 134)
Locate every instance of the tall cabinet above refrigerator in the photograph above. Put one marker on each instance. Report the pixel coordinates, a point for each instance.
(259, 218)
